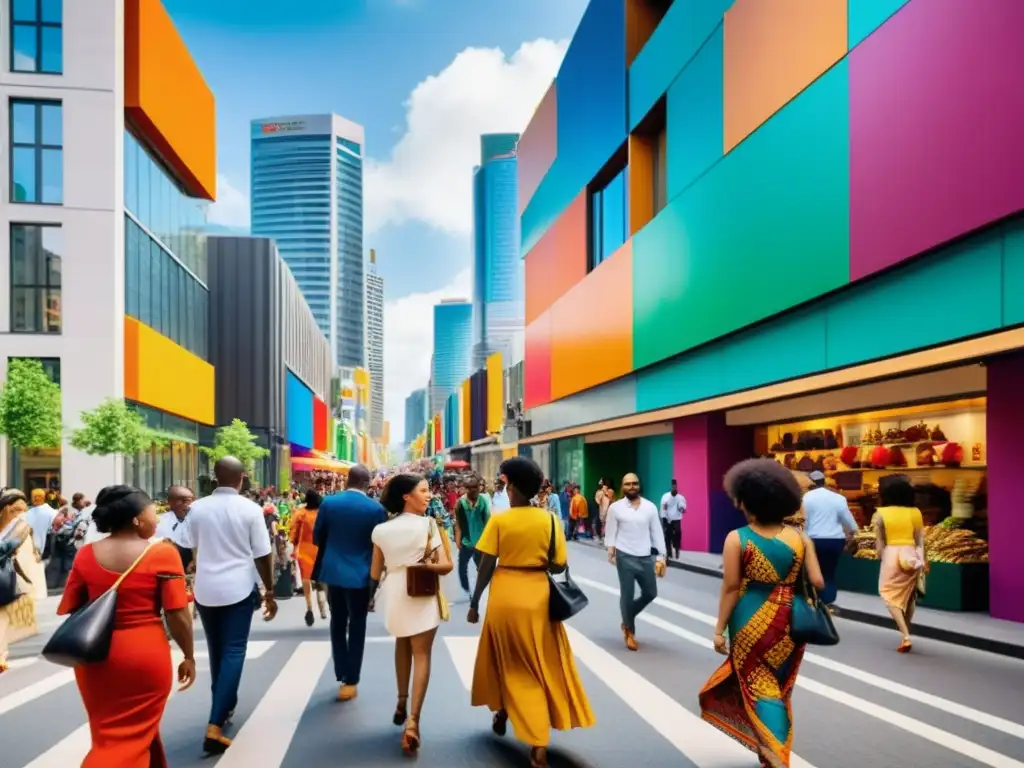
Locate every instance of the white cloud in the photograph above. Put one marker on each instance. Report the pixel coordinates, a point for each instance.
(408, 343)
(429, 175)
(232, 206)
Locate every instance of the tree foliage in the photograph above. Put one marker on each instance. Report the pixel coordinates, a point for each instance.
(30, 414)
(114, 428)
(236, 440)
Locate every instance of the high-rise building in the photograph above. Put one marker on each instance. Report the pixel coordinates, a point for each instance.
(307, 193)
(451, 363)
(106, 193)
(498, 299)
(375, 345)
(416, 414)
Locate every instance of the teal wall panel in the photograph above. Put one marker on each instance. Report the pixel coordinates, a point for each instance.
(654, 464)
(694, 121)
(865, 16)
(793, 345)
(693, 376)
(1013, 273)
(764, 230)
(678, 37)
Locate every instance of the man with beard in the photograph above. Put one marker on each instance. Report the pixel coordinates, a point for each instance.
(632, 533)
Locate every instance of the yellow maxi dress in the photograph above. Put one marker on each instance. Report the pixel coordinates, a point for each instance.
(525, 664)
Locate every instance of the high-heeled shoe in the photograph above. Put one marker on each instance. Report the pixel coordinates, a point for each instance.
(539, 757)
(411, 737)
(500, 723)
(401, 711)
(905, 646)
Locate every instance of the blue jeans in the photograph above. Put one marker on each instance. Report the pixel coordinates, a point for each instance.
(227, 637)
(467, 553)
(348, 631)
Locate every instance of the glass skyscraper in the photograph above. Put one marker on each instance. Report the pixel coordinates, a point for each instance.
(453, 338)
(498, 280)
(416, 414)
(307, 193)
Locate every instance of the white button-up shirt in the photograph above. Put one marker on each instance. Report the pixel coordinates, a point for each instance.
(634, 531)
(228, 533)
(673, 507)
(169, 527)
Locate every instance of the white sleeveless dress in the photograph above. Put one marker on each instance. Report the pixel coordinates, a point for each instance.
(403, 541)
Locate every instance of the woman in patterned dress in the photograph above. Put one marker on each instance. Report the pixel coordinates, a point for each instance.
(748, 697)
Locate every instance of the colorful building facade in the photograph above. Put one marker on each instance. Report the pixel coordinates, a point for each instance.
(784, 212)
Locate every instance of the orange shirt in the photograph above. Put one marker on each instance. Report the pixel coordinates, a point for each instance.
(578, 507)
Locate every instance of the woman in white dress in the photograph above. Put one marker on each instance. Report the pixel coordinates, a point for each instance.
(410, 539)
(15, 543)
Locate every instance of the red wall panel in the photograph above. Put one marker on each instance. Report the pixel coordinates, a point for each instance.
(538, 147)
(537, 363)
(319, 424)
(558, 261)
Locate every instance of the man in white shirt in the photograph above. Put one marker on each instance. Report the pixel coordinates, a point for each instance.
(499, 502)
(673, 507)
(227, 533)
(633, 531)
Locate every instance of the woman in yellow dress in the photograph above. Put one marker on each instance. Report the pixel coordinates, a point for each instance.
(525, 671)
(899, 541)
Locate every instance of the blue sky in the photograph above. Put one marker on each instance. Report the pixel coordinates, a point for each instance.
(425, 78)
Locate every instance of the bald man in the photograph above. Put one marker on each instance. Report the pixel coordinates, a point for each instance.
(632, 533)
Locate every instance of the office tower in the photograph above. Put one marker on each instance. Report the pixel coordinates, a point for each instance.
(307, 193)
(375, 345)
(415, 414)
(498, 294)
(100, 232)
(452, 360)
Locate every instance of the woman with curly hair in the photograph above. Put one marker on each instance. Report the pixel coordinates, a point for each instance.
(748, 697)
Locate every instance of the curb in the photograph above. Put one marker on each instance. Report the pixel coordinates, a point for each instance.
(998, 647)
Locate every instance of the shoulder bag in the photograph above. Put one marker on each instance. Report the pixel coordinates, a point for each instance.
(566, 598)
(811, 620)
(420, 582)
(10, 570)
(84, 637)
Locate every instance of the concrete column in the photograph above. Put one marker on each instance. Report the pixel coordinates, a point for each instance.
(705, 447)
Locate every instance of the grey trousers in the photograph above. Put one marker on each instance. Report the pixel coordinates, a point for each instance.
(635, 570)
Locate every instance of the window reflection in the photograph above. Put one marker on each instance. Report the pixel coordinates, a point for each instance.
(36, 278)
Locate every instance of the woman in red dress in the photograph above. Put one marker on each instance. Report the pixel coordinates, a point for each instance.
(125, 695)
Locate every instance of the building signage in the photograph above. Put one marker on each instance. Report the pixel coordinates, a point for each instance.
(292, 126)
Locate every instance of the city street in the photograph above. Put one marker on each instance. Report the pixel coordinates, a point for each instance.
(857, 704)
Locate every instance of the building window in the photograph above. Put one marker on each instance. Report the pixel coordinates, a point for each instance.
(37, 154)
(36, 278)
(51, 366)
(609, 218)
(660, 146)
(36, 36)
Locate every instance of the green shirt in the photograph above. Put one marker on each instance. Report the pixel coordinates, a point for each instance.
(472, 519)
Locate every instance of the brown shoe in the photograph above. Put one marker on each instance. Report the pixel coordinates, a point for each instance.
(215, 743)
(347, 693)
(630, 639)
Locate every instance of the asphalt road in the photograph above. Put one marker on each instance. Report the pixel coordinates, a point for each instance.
(855, 704)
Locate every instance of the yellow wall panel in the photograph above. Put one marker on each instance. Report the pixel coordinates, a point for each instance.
(495, 394)
(466, 415)
(160, 374)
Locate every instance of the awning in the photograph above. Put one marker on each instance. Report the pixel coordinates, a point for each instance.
(310, 463)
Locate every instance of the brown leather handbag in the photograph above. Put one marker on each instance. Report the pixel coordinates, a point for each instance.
(419, 582)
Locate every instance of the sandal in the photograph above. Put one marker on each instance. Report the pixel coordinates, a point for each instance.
(905, 646)
(538, 757)
(411, 737)
(500, 723)
(401, 710)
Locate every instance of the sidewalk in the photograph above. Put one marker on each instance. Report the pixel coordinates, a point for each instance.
(973, 630)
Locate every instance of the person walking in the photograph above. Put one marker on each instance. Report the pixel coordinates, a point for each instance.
(499, 502)
(748, 697)
(342, 534)
(227, 534)
(125, 694)
(472, 511)
(17, 547)
(634, 531)
(830, 525)
(899, 541)
(525, 671)
(673, 507)
(305, 553)
(411, 539)
(40, 517)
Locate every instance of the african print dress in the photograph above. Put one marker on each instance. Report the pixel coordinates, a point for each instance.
(748, 697)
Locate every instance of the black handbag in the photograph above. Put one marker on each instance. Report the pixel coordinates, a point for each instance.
(85, 636)
(566, 598)
(811, 620)
(9, 572)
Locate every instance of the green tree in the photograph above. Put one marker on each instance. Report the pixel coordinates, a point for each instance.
(30, 412)
(236, 440)
(114, 428)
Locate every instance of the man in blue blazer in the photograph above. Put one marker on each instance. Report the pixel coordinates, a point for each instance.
(342, 533)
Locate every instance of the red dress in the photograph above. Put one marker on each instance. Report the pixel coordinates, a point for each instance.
(125, 695)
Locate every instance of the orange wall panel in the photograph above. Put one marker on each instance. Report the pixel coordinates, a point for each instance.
(538, 147)
(167, 98)
(641, 181)
(148, 356)
(559, 259)
(773, 50)
(592, 327)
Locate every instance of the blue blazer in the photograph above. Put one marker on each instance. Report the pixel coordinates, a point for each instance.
(342, 532)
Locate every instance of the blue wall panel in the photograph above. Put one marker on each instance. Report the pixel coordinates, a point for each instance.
(694, 122)
(298, 410)
(865, 16)
(680, 35)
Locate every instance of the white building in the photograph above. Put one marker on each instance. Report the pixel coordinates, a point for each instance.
(375, 345)
(112, 133)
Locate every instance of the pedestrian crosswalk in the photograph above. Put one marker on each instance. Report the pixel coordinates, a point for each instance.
(645, 704)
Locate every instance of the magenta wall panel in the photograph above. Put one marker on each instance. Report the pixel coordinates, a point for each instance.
(936, 128)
